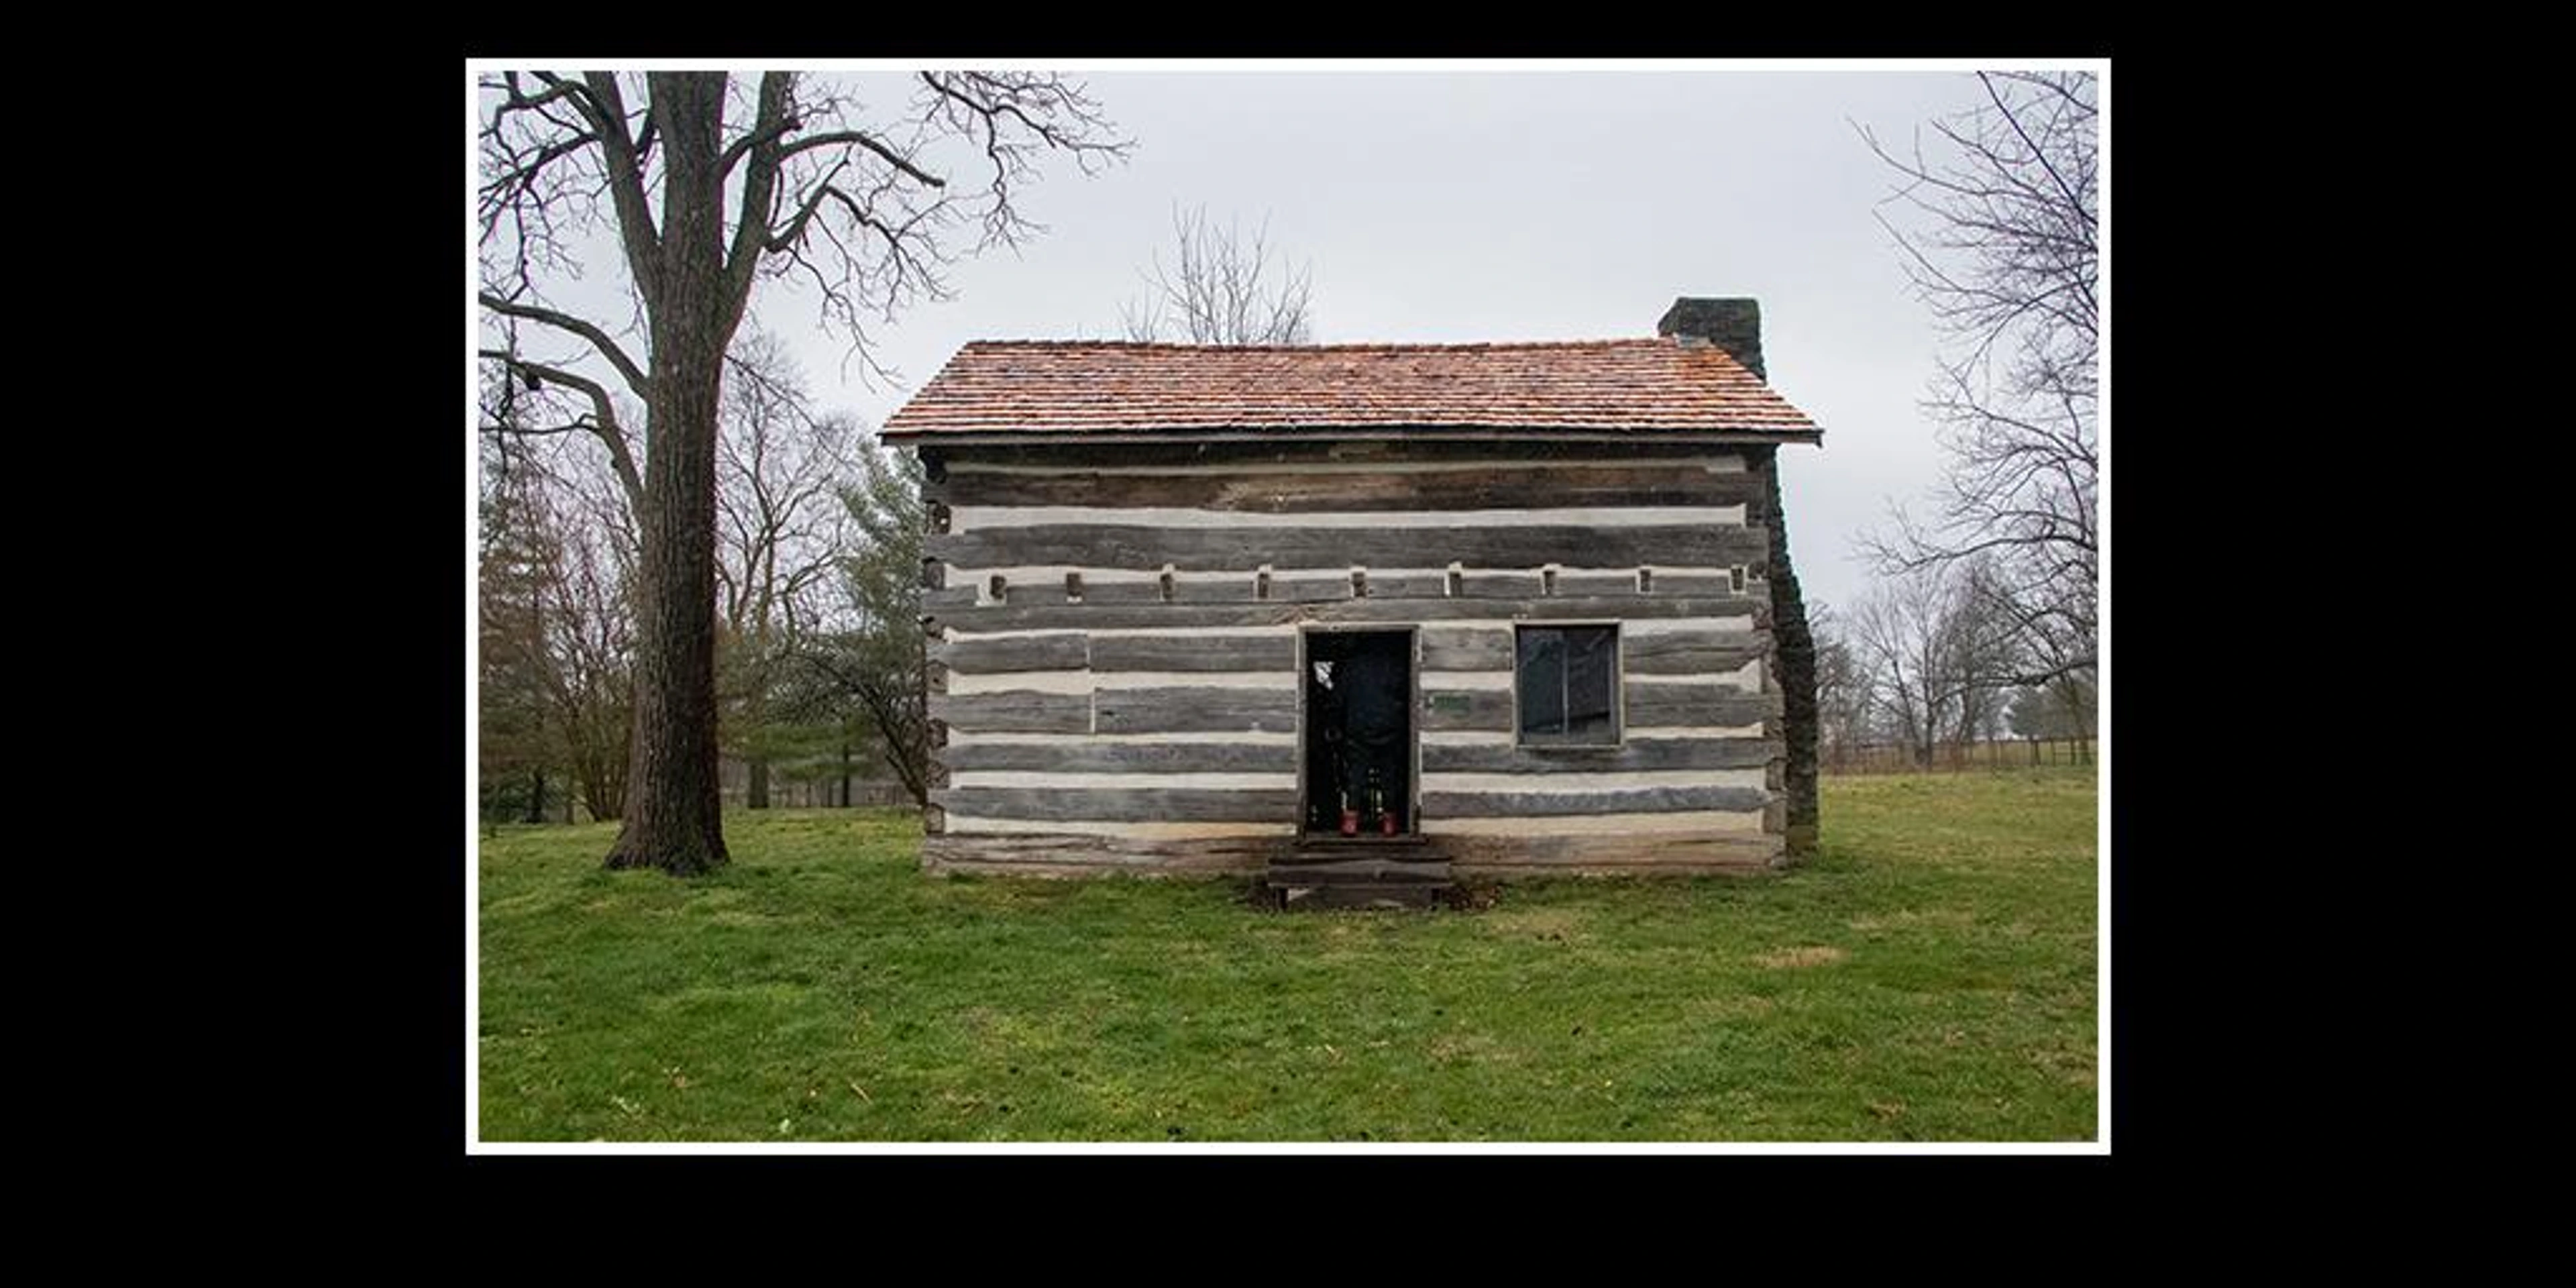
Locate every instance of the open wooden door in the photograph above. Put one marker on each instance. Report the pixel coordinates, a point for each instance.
(1359, 733)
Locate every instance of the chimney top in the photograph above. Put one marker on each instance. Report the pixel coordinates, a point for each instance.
(1733, 324)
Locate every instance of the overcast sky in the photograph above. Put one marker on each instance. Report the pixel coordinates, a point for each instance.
(1520, 205)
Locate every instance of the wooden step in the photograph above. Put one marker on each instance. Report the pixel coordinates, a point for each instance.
(1384, 868)
(1399, 849)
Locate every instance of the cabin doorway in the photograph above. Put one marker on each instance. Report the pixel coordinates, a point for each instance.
(1358, 723)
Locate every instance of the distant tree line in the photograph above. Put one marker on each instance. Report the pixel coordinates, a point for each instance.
(1924, 661)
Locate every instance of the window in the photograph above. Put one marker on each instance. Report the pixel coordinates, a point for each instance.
(1568, 681)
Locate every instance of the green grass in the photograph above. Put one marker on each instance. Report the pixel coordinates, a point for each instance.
(1930, 976)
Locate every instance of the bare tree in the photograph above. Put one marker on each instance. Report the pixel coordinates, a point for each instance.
(1220, 289)
(1935, 656)
(863, 215)
(2005, 257)
(780, 529)
(1846, 685)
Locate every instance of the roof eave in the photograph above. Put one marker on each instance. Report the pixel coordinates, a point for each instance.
(1445, 433)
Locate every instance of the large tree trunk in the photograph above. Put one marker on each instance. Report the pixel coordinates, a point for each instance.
(674, 807)
(1797, 645)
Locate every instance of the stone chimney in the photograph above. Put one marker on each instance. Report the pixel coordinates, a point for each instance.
(1734, 325)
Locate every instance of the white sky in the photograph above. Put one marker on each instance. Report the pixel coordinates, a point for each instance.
(1446, 206)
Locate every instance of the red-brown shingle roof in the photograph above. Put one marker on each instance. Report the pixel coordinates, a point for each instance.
(1041, 388)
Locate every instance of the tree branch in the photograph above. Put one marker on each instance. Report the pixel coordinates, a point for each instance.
(604, 425)
(606, 109)
(598, 339)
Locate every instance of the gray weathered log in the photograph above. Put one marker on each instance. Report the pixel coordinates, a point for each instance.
(1690, 652)
(1195, 710)
(1488, 710)
(1126, 757)
(1246, 458)
(1127, 546)
(1121, 805)
(1466, 648)
(1692, 583)
(1653, 753)
(1587, 485)
(1013, 711)
(1622, 850)
(1194, 653)
(1022, 854)
(1691, 705)
(1642, 800)
(1607, 585)
(1065, 652)
(1087, 616)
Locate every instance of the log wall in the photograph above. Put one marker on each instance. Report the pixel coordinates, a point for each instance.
(1113, 644)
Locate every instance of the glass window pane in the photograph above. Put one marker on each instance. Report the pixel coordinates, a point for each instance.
(1591, 684)
(1542, 682)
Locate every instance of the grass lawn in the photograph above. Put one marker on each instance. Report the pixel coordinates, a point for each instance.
(1930, 976)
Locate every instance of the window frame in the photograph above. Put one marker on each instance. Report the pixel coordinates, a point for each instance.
(1618, 686)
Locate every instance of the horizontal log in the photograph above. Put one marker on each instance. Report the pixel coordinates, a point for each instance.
(1495, 487)
(1417, 585)
(1013, 711)
(1046, 854)
(1195, 710)
(1474, 648)
(1607, 584)
(1620, 854)
(1117, 805)
(1201, 653)
(1621, 849)
(1061, 616)
(1691, 652)
(1489, 710)
(1650, 754)
(1242, 587)
(1692, 705)
(1643, 800)
(1290, 590)
(1208, 549)
(1613, 854)
(1691, 583)
(1095, 757)
(1067, 651)
(949, 597)
(1501, 583)
(1230, 458)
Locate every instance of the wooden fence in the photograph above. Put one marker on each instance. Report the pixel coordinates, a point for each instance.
(2004, 753)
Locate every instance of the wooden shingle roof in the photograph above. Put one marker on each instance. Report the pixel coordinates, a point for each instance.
(1041, 389)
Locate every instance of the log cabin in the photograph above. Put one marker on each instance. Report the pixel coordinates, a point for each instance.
(1364, 618)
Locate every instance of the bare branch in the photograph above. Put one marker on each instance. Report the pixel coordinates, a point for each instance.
(603, 423)
(606, 109)
(598, 339)
(1215, 293)
(2001, 248)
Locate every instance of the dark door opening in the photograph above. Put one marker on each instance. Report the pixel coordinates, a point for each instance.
(1359, 732)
